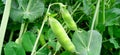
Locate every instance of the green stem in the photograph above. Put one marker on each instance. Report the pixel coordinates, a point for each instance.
(75, 4)
(45, 19)
(11, 35)
(29, 3)
(26, 25)
(75, 9)
(79, 18)
(35, 45)
(93, 22)
(21, 30)
(4, 22)
(43, 46)
(103, 5)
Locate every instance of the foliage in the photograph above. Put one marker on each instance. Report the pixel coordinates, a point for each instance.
(91, 26)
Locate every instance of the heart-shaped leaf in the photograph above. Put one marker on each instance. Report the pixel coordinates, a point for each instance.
(81, 39)
(26, 9)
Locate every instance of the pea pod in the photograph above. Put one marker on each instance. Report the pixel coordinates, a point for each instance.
(42, 40)
(61, 35)
(68, 18)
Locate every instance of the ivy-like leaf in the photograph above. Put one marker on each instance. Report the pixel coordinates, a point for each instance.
(26, 9)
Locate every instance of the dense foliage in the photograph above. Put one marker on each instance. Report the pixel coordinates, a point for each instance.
(59, 27)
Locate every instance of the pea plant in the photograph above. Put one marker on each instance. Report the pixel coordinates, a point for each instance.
(59, 27)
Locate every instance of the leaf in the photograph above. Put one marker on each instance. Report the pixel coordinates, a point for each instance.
(116, 11)
(50, 35)
(52, 44)
(116, 31)
(112, 39)
(81, 40)
(112, 17)
(52, 41)
(65, 53)
(58, 45)
(28, 40)
(43, 51)
(110, 31)
(87, 7)
(26, 9)
(114, 42)
(12, 48)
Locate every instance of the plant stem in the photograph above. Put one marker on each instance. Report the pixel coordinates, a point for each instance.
(103, 5)
(25, 28)
(75, 4)
(93, 22)
(21, 30)
(75, 9)
(45, 19)
(11, 35)
(28, 7)
(4, 22)
(79, 18)
(35, 45)
(43, 46)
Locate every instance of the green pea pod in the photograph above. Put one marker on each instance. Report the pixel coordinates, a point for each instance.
(61, 35)
(68, 18)
(42, 40)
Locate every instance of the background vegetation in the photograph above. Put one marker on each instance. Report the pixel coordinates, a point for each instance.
(27, 21)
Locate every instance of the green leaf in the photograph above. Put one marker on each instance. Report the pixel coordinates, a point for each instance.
(65, 53)
(26, 9)
(12, 48)
(52, 41)
(110, 31)
(52, 44)
(28, 40)
(116, 31)
(87, 7)
(43, 51)
(50, 35)
(112, 17)
(114, 42)
(81, 40)
(58, 45)
(112, 39)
